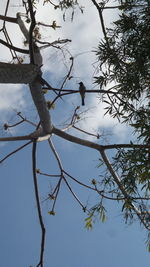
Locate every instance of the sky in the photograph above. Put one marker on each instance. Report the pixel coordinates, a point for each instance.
(68, 242)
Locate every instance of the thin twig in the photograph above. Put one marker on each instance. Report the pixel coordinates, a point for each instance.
(14, 48)
(121, 7)
(74, 195)
(6, 126)
(6, 10)
(55, 154)
(48, 175)
(101, 20)
(57, 188)
(26, 120)
(100, 192)
(13, 53)
(83, 131)
(68, 75)
(15, 151)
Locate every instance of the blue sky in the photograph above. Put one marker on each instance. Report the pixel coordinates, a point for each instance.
(110, 244)
(68, 243)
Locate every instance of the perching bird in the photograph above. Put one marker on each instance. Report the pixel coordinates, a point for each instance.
(82, 90)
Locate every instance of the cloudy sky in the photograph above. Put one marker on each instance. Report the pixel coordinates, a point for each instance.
(68, 243)
(84, 41)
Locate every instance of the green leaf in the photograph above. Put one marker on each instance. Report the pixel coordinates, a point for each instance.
(102, 214)
(89, 221)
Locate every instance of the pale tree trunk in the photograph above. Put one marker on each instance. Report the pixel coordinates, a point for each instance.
(28, 74)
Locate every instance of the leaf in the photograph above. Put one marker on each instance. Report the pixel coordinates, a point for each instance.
(89, 221)
(102, 214)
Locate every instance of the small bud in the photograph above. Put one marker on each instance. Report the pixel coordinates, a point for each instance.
(56, 6)
(52, 197)
(94, 182)
(84, 209)
(28, 20)
(50, 105)
(51, 212)
(5, 126)
(44, 91)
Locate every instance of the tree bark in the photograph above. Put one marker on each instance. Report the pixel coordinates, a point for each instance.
(18, 73)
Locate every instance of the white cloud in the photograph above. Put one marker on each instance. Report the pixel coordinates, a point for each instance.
(11, 97)
(95, 122)
(85, 33)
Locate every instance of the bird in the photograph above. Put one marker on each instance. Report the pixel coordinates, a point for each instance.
(82, 90)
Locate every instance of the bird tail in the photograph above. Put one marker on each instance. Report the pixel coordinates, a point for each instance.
(83, 101)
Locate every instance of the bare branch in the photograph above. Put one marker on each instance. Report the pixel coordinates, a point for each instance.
(122, 189)
(76, 140)
(80, 183)
(16, 138)
(121, 7)
(83, 131)
(33, 23)
(93, 145)
(55, 154)
(68, 75)
(101, 192)
(71, 91)
(41, 263)
(6, 10)
(57, 188)
(8, 19)
(99, 9)
(48, 175)
(48, 25)
(20, 50)
(116, 146)
(22, 26)
(74, 195)
(62, 177)
(6, 126)
(15, 151)
(53, 44)
(26, 120)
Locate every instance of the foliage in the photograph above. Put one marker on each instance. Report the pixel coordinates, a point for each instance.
(96, 211)
(65, 5)
(125, 58)
(124, 67)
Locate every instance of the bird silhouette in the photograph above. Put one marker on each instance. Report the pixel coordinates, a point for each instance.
(82, 90)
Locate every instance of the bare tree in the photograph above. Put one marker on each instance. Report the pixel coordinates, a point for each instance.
(135, 204)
